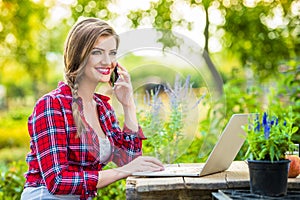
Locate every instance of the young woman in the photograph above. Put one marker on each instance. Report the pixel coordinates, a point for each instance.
(74, 131)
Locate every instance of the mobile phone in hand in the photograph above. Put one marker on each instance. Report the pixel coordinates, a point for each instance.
(114, 76)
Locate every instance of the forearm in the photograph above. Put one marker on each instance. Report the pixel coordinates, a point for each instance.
(130, 119)
(109, 176)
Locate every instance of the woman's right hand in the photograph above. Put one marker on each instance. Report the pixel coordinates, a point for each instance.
(142, 164)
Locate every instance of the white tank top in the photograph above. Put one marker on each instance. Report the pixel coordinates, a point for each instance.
(105, 149)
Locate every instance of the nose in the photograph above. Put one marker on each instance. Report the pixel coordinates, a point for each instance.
(106, 60)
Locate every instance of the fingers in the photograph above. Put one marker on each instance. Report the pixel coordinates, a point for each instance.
(151, 168)
(121, 67)
(124, 77)
(124, 84)
(123, 73)
(151, 164)
(142, 164)
(153, 160)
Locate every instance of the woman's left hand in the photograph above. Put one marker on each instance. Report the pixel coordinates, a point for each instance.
(123, 88)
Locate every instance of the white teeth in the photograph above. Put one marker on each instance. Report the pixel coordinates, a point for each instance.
(103, 70)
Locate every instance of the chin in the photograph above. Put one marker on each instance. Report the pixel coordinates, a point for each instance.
(104, 80)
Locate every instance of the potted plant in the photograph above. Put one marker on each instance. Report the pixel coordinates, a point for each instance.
(269, 138)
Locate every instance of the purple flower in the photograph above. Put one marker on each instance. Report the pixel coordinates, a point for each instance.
(265, 120)
(266, 125)
(267, 131)
(257, 123)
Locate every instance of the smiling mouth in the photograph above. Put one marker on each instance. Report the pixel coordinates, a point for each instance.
(104, 71)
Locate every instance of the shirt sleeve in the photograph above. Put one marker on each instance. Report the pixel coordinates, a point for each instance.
(47, 129)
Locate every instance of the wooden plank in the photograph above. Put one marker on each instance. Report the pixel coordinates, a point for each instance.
(172, 195)
(294, 183)
(237, 176)
(210, 182)
(159, 184)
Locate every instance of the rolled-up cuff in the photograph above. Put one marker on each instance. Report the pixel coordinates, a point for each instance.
(138, 133)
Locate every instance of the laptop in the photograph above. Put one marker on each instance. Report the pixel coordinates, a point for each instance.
(220, 158)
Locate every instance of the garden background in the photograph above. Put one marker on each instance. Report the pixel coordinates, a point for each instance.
(254, 44)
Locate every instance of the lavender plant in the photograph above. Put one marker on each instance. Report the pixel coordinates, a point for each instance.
(164, 123)
(269, 138)
(152, 122)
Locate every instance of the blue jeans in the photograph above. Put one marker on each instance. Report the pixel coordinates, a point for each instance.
(42, 193)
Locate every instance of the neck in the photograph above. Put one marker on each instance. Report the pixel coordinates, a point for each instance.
(86, 91)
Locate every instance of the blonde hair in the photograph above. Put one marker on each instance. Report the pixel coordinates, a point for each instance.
(80, 41)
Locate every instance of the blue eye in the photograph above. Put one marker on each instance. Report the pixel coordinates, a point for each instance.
(113, 53)
(97, 52)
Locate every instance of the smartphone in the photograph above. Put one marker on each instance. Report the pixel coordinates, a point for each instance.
(114, 76)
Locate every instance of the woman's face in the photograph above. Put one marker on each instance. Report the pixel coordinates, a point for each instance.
(101, 61)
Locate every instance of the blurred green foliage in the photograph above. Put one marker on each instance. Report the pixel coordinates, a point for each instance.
(13, 128)
(25, 42)
(32, 43)
(260, 34)
(286, 92)
(255, 36)
(12, 181)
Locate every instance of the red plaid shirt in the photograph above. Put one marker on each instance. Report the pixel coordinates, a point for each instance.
(64, 162)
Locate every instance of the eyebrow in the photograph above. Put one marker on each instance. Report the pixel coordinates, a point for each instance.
(103, 49)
